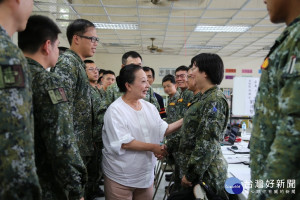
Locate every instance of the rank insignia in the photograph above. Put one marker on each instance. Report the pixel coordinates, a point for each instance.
(57, 95)
(189, 104)
(265, 63)
(180, 100)
(172, 104)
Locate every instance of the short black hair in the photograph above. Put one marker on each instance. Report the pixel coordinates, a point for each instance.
(127, 75)
(78, 27)
(147, 69)
(108, 72)
(212, 65)
(182, 68)
(88, 61)
(170, 78)
(38, 30)
(132, 54)
(101, 71)
(62, 50)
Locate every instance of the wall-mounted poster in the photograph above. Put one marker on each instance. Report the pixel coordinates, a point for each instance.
(244, 93)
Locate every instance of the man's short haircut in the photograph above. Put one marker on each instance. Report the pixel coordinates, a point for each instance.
(170, 78)
(147, 69)
(62, 50)
(132, 54)
(212, 65)
(127, 75)
(108, 72)
(88, 61)
(38, 30)
(78, 27)
(182, 68)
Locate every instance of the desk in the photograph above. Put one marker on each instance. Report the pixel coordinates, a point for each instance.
(236, 168)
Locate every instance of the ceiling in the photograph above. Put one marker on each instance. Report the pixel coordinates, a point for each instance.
(172, 24)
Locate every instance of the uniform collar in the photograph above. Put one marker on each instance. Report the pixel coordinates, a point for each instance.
(4, 33)
(73, 53)
(208, 92)
(34, 66)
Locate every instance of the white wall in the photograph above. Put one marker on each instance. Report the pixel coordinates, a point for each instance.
(113, 62)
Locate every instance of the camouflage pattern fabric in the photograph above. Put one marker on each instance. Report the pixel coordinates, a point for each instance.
(181, 107)
(71, 69)
(61, 171)
(275, 139)
(200, 155)
(18, 176)
(171, 117)
(113, 92)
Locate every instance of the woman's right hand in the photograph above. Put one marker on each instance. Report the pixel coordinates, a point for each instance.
(159, 150)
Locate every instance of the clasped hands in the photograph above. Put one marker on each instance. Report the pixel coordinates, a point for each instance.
(160, 151)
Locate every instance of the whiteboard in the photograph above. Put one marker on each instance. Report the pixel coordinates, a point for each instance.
(244, 93)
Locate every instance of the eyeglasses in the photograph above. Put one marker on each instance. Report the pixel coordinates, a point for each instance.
(93, 39)
(92, 69)
(181, 76)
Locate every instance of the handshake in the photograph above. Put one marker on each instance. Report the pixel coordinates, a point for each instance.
(160, 151)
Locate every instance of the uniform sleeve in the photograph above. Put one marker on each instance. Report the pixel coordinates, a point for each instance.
(208, 134)
(283, 160)
(115, 131)
(62, 149)
(69, 74)
(152, 99)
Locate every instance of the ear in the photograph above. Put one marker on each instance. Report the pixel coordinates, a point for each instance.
(75, 39)
(46, 47)
(128, 86)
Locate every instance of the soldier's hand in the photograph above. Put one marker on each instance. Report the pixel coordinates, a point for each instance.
(185, 182)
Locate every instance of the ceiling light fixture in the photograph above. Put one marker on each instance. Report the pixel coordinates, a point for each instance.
(238, 29)
(116, 26)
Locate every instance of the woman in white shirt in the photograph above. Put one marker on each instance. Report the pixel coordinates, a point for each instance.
(131, 135)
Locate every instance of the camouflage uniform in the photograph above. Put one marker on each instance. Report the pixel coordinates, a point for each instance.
(61, 171)
(99, 108)
(113, 92)
(171, 117)
(203, 128)
(71, 69)
(18, 176)
(173, 140)
(275, 140)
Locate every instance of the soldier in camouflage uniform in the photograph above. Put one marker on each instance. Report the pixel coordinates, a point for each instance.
(83, 41)
(99, 108)
(18, 178)
(275, 139)
(113, 92)
(181, 106)
(61, 171)
(203, 127)
(169, 86)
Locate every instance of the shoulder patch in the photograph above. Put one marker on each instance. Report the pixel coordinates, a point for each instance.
(189, 104)
(11, 76)
(180, 100)
(265, 63)
(57, 95)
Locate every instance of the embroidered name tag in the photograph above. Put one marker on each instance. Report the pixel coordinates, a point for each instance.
(11, 76)
(57, 95)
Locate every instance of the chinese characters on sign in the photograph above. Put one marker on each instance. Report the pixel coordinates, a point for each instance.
(252, 86)
(272, 186)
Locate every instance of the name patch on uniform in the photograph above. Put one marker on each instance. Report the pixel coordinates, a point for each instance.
(57, 95)
(11, 76)
(172, 104)
(180, 100)
(265, 64)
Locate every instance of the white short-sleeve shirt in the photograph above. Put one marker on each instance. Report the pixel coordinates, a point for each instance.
(122, 124)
